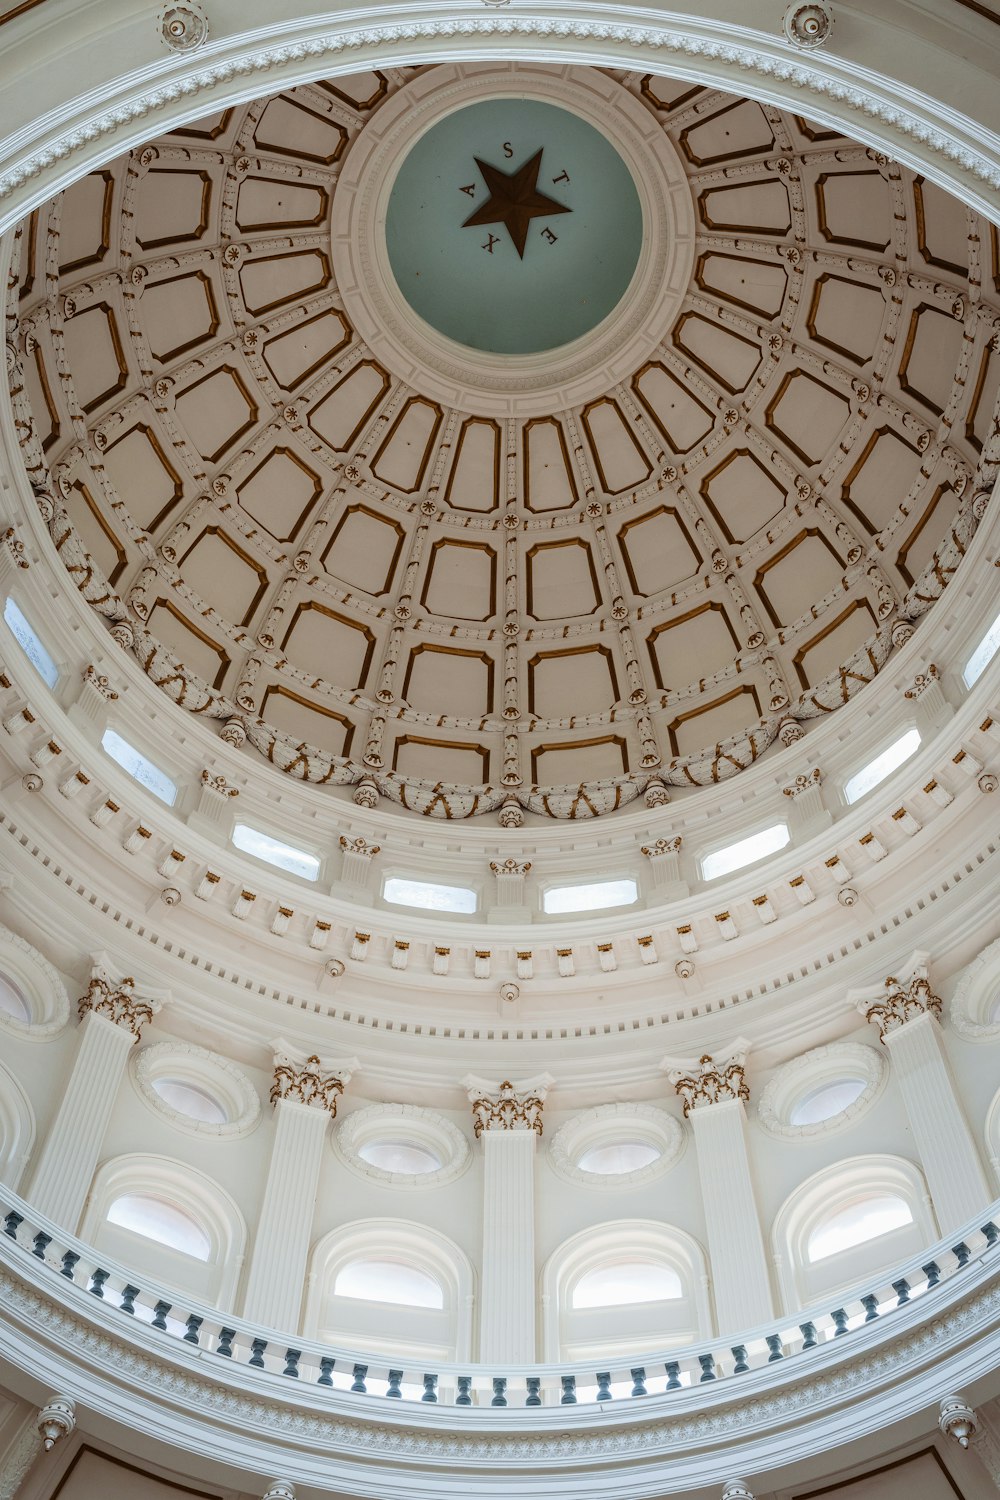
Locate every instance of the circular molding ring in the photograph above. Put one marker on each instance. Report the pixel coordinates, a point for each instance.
(40, 985)
(477, 381)
(971, 1003)
(607, 1123)
(811, 1070)
(203, 1070)
(421, 1127)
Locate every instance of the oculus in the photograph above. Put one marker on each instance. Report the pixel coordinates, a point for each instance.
(513, 227)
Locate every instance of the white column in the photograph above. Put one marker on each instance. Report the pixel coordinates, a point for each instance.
(112, 1018)
(713, 1091)
(304, 1095)
(509, 1124)
(907, 1018)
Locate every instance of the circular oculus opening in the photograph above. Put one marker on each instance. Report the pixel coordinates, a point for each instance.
(400, 1157)
(513, 227)
(12, 1002)
(618, 1158)
(826, 1101)
(186, 1099)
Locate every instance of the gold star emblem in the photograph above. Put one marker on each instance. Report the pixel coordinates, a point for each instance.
(514, 200)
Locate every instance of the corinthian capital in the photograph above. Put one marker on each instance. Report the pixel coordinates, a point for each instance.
(117, 1002)
(310, 1080)
(902, 1003)
(508, 1108)
(709, 1080)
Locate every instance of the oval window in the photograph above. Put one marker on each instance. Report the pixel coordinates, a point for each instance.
(400, 1156)
(190, 1101)
(619, 1158)
(826, 1101)
(12, 1002)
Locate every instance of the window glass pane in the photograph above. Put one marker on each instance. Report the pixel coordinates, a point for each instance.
(158, 1220)
(983, 654)
(827, 1100)
(426, 894)
(625, 1156)
(189, 1100)
(285, 856)
(735, 856)
(593, 897)
(398, 1156)
(994, 1011)
(389, 1281)
(12, 1002)
(625, 1282)
(138, 767)
(882, 766)
(30, 644)
(861, 1221)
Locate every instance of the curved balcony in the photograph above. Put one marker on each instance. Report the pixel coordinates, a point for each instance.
(196, 1376)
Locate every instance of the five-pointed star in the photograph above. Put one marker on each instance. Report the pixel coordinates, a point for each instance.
(514, 200)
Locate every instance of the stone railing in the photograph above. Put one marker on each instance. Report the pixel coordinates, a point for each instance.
(36, 1250)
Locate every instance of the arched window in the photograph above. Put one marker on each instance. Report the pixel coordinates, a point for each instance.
(168, 1222)
(630, 1287)
(17, 1129)
(393, 1287)
(993, 1135)
(856, 1220)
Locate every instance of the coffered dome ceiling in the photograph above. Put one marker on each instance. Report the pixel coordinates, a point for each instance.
(550, 594)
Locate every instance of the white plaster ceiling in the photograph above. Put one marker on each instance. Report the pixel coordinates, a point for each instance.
(553, 609)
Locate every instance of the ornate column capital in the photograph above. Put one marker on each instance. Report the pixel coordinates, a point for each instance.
(709, 1080)
(311, 1081)
(901, 1003)
(662, 847)
(510, 1107)
(118, 1003)
(360, 847)
(516, 867)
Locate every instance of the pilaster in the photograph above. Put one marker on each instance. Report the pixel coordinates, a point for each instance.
(713, 1090)
(304, 1094)
(907, 1015)
(111, 1020)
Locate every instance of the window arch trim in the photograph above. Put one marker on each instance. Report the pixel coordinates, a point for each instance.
(40, 984)
(17, 1129)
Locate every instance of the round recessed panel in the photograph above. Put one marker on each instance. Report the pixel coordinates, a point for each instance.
(513, 227)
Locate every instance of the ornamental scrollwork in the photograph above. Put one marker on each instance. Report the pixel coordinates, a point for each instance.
(708, 1082)
(662, 847)
(508, 1111)
(359, 846)
(306, 1083)
(515, 867)
(117, 1003)
(902, 1003)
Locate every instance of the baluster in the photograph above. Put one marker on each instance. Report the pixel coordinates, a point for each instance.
(257, 1353)
(870, 1305)
(395, 1377)
(933, 1273)
(707, 1362)
(604, 1386)
(808, 1332)
(160, 1316)
(773, 1341)
(12, 1223)
(41, 1244)
(129, 1294)
(673, 1370)
(639, 1381)
(292, 1357)
(961, 1252)
(225, 1344)
(840, 1322)
(740, 1356)
(97, 1280)
(191, 1325)
(430, 1388)
(568, 1397)
(533, 1385)
(359, 1387)
(325, 1376)
(991, 1232)
(464, 1397)
(499, 1391)
(902, 1290)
